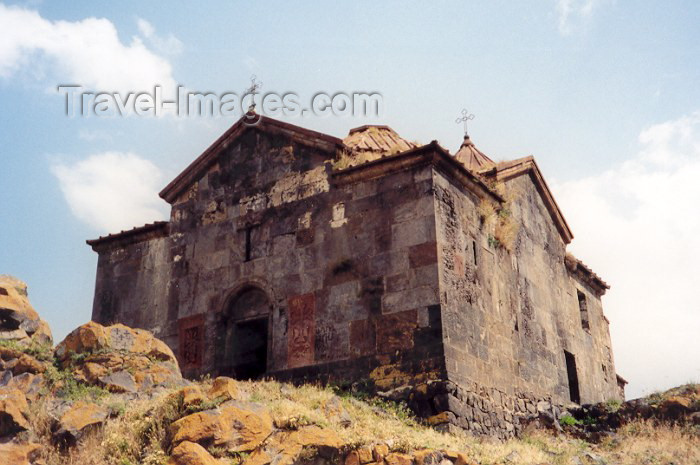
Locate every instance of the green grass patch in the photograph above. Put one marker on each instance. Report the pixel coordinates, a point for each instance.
(568, 420)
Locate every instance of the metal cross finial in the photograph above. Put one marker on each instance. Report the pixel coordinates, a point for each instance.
(252, 90)
(465, 118)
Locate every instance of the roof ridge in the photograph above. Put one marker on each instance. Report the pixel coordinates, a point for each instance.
(367, 126)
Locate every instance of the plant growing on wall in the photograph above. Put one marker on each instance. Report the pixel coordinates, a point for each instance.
(498, 218)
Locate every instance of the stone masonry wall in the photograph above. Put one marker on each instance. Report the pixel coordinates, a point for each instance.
(132, 279)
(508, 316)
(479, 410)
(349, 268)
(384, 276)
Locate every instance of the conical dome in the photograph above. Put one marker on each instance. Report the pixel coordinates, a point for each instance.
(472, 158)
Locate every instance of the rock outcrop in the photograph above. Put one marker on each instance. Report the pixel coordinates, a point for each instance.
(236, 426)
(78, 420)
(69, 383)
(285, 447)
(14, 411)
(25, 339)
(593, 423)
(118, 358)
(190, 453)
(19, 322)
(223, 388)
(15, 453)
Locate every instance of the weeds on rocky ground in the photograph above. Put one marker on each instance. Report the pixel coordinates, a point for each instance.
(139, 432)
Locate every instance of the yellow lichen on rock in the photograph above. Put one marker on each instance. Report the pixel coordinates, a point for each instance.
(397, 458)
(12, 453)
(78, 419)
(237, 426)
(285, 447)
(192, 396)
(21, 323)
(118, 358)
(190, 453)
(223, 388)
(89, 337)
(14, 411)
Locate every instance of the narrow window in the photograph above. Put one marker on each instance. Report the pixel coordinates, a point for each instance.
(572, 376)
(583, 308)
(605, 372)
(474, 250)
(249, 243)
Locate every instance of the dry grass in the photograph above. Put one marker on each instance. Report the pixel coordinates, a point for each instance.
(487, 212)
(537, 449)
(371, 422)
(506, 232)
(138, 436)
(644, 443)
(498, 220)
(350, 159)
(138, 433)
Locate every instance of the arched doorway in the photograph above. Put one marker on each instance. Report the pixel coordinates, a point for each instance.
(244, 335)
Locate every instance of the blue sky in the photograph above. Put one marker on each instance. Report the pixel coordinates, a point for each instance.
(604, 93)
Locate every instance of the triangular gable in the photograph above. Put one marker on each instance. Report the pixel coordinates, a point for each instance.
(262, 123)
(510, 169)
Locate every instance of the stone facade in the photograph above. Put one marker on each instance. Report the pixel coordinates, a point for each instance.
(296, 255)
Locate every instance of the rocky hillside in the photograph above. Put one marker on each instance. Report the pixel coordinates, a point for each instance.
(114, 395)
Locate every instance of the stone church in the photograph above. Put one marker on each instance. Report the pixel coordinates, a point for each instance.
(439, 278)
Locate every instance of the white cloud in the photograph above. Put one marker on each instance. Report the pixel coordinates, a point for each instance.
(574, 13)
(167, 45)
(87, 52)
(112, 191)
(638, 226)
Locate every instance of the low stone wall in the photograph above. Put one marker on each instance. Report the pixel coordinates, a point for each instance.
(477, 409)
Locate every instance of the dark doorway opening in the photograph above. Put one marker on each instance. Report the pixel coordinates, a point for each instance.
(243, 335)
(574, 394)
(249, 349)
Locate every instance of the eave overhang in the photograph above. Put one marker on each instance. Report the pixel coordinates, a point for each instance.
(577, 268)
(131, 236)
